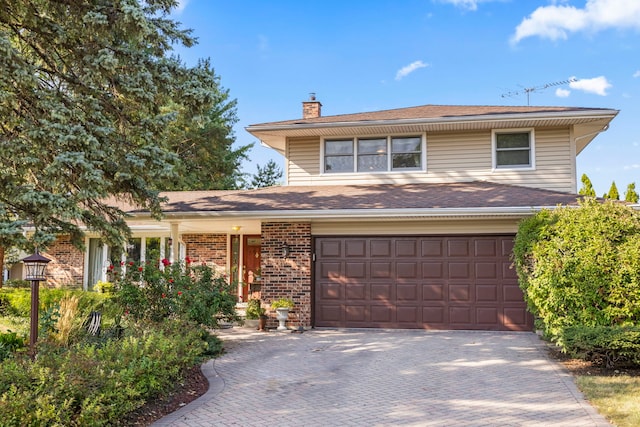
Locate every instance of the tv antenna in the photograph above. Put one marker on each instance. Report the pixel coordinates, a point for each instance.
(529, 90)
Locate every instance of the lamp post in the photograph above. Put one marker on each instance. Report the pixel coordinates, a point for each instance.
(35, 265)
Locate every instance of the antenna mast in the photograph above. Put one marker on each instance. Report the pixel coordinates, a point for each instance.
(530, 89)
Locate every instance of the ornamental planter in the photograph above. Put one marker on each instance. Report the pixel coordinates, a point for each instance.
(282, 314)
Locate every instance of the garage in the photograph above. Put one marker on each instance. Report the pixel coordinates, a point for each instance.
(426, 282)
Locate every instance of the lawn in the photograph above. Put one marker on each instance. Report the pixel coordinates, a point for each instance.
(617, 397)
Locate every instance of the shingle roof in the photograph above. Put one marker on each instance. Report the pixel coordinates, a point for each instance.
(430, 112)
(381, 197)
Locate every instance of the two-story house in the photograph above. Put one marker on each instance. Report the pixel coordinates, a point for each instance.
(400, 218)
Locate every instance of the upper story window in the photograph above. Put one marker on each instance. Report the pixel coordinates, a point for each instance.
(513, 149)
(373, 154)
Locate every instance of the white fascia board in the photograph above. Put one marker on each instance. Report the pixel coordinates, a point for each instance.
(360, 213)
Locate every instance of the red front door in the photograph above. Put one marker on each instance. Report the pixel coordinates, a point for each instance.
(251, 267)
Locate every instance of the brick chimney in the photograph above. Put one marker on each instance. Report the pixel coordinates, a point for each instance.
(311, 108)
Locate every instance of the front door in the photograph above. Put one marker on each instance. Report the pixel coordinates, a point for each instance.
(251, 268)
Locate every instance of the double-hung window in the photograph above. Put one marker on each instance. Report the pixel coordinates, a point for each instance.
(381, 154)
(513, 149)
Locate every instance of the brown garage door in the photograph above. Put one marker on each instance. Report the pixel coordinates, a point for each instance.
(452, 282)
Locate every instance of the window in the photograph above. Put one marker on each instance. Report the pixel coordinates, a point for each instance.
(513, 149)
(373, 154)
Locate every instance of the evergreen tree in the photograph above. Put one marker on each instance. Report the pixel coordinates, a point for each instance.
(587, 187)
(90, 96)
(631, 195)
(267, 176)
(613, 192)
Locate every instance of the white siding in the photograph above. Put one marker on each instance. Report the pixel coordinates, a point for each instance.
(451, 157)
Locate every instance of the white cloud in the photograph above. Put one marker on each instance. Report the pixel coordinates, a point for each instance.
(597, 85)
(636, 74)
(630, 167)
(406, 70)
(181, 6)
(562, 93)
(557, 21)
(466, 4)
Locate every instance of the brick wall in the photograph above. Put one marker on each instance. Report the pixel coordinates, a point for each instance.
(66, 266)
(287, 277)
(206, 248)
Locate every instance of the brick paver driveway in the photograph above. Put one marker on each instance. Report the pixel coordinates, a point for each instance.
(386, 378)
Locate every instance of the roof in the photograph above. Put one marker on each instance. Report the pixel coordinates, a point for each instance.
(587, 122)
(375, 200)
(430, 112)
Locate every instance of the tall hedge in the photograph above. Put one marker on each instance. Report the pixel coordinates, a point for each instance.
(581, 265)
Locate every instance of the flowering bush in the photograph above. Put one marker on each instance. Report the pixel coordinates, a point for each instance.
(192, 293)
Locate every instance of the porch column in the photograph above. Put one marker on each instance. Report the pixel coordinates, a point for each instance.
(175, 245)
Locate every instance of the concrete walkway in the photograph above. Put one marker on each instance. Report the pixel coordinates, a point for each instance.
(385, 378)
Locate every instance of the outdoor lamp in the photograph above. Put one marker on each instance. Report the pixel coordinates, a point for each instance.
(35, 265)
(286, 250)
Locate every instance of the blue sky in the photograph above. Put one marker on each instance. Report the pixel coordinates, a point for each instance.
(367, 55)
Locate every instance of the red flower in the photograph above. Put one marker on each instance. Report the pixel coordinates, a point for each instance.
(187, 260)
(121, 263)
(164, 296)
(170, 280)
(131, 263)
(111, 267)
(140, 268)
(165, 262)
(179, 293)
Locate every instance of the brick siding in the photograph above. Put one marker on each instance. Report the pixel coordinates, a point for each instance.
(287, 277)
(67, 264)
(207, 248)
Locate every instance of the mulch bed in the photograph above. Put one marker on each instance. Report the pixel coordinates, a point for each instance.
(193, 385)
(584, 367)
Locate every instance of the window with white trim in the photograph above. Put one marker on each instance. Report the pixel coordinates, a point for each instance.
(513, 149)
(381, 154)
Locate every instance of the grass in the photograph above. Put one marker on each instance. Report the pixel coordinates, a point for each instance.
(615, 397)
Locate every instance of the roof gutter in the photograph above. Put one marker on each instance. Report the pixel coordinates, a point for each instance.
(513, 211)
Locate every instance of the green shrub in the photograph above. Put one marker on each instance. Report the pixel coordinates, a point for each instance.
(580, 266)
(192, 293)
(10, 342)
(604, 345)
(254, 309)
(97, 384)
(17, 283)
(282, 303)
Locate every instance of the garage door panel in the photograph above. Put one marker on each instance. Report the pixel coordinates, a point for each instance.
(433, 270)
(331, 270)
(460, 315)
(435, 317)
(381, 270)
(407, 292)
(355, 313)
(432, 247)
(330, 291)
(459, 293)
(382, 314)
(355, 270)
(458, 270)
(486, 270)
(380, 248)
(407, 248)
(407, 270)
(408, 315)
(330, 248)
(487, 293)
(355, 292)
(458, 248)
(432, 282)
(434, 292)
(382, 292)
(355, 248)
(512, 293)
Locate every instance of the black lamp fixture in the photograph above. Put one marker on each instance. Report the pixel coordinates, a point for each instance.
(35, 266)
(286, 250)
